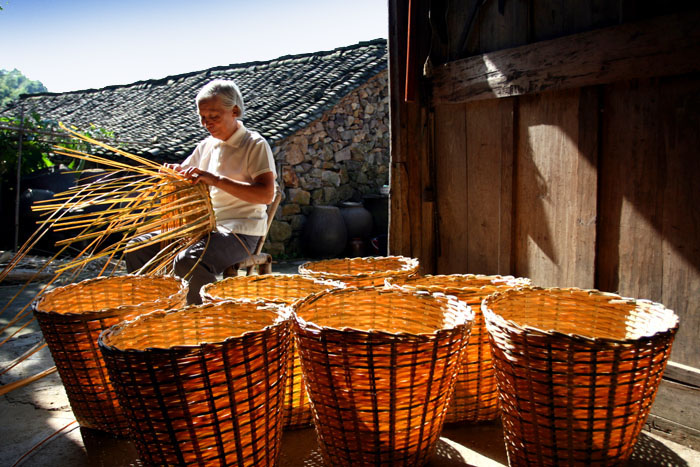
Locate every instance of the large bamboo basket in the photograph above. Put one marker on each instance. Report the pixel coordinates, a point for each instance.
(203, 385)
(276, 288)
(577, 372)
(359, 272)
(475, 398)
(71, 319)
(380, 366)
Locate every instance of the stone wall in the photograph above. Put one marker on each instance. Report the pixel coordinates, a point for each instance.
(342, 156)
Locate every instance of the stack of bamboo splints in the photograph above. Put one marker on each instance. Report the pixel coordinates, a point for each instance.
(131, 197)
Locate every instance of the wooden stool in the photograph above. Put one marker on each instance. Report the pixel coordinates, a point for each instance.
(259, 260)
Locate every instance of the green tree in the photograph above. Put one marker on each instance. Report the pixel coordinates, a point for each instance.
(38, 140)
(35, 153)
(13, 83)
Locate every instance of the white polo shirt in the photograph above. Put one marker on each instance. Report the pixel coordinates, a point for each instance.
(242, 157)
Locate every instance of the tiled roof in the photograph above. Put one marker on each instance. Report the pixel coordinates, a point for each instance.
(158, 117)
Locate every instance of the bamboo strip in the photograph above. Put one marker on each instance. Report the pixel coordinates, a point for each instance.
(9, 387)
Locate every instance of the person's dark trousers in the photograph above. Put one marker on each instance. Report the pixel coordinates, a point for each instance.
(217, 252)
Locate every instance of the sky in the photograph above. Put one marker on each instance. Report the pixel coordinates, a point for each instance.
(77, 44)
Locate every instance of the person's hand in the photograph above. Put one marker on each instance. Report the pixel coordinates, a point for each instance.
(176, 167)
(199, 176)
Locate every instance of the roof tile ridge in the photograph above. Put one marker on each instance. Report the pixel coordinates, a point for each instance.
(244, 65)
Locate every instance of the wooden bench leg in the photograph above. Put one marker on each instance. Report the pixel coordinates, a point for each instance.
(265, 268)
(263, 261)
(231, 271)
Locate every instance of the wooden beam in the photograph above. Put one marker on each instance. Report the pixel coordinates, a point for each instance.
(399, 242)
(668, 45)
(411, 219)
(683, 373)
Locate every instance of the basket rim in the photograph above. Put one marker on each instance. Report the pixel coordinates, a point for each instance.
(508, 281)
(284, 315)
(465, 313)
(494, 319)
(206, 294)
(271, 277)
(116, 309)
(409, 264)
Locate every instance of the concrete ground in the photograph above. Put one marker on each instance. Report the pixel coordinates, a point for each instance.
(36, 414)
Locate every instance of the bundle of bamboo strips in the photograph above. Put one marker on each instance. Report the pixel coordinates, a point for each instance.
(131, 198)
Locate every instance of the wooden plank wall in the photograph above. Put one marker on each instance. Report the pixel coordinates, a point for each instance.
(555, 190)
(589, 186)
(573, 162)
(650, 246)
(474, 163)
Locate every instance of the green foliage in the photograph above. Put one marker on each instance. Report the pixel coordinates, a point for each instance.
(13, 83)
(38, 139)
(39, 136)
(35, 152)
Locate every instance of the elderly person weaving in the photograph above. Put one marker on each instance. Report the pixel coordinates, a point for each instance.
(238, 166)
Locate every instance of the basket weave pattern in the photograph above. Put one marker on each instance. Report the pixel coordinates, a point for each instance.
(360, 272)
(276, 288)
(380, 366)
(475, 396)
(71, 319)
(577, 372)
(197, 210)
(203, 385)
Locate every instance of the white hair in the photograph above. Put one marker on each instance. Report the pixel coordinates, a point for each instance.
(228, 92)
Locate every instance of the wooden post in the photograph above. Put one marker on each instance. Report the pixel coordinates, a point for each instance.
(19, 174)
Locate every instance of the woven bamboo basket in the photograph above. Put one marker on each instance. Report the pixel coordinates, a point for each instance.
(276, 288)
(360, 272)
(475, 398)
(577, 372)
(203, 385)
(380, 366)
(71, 319)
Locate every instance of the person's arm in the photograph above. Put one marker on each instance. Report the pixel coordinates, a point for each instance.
(260, 191)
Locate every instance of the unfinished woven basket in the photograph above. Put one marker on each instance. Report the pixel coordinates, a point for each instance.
(194, 208)
(577, 372)
(203, 385)
(276, 288)
(475, 398)
(380, 365)
(361, 272)
(71, 319)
